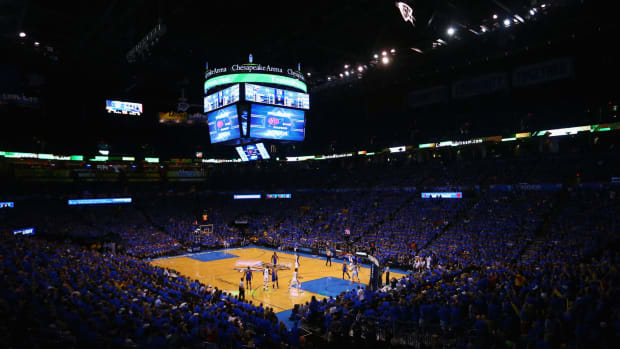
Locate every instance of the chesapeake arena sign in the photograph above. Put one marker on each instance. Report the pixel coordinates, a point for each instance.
(265, 73)
(254, 68)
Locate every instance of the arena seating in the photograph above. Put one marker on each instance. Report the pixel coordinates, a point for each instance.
(521, 267)
(63, 295)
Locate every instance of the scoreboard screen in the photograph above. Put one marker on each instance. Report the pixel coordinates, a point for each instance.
(223, 124)
(277, 123)
(124, 108)
(25, 231)
(443, 195)
(74, 202)
(278, 196)
(253, 152)
(276, 96)
(221, 98)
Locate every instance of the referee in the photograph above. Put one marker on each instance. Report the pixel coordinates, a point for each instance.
(241, 290)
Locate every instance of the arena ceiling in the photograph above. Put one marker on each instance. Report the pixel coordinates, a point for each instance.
(321, 35)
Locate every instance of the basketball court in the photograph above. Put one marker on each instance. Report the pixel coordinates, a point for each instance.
(222, 269)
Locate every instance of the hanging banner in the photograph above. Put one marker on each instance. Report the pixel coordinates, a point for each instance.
(479, 86)
(547, 71)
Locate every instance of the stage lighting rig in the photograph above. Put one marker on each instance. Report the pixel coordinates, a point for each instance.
(148, 41)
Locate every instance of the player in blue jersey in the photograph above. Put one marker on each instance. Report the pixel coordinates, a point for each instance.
(248, 278)
(274, 277)
(274, 258)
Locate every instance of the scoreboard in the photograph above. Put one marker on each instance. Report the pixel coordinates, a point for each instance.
(255, 103)
(124, 108)
(277, 123)
(276, 96)
(221, 98)
(252, 152)
(443, 195)
(223, 124)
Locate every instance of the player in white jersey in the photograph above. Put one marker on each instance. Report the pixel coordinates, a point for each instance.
(266, 278)
(295, 281)
(355, 272)
(296, 261)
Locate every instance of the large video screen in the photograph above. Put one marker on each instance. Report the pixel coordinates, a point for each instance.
(223, 124)
(221, 98)
(277, 123)
(276, 96)
(253, 152)
(123, 108)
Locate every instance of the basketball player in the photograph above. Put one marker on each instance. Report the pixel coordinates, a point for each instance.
(295, 281)
(266, 278)
(274, 277)
(275, 258)
(296, 261)
(345, 270)
(248, 278)
(328, 252)
(355, 273)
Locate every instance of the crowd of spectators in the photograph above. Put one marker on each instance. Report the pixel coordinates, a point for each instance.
(525, 267)
(58, 295)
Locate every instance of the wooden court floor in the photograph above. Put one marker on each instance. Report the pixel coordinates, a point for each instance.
(221, 273)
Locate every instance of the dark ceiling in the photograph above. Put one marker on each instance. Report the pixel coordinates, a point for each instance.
(321, 35)
(81, 60)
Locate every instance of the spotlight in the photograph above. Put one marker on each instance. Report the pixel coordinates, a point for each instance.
(36, 44)
(376, 56)
(543, 5)
(532, 12)
(22, 34)
(341, 75)
(346, 73)
(507, 22)
(483, 28)
(309, 74)
(346, 66)
(329, 78)
(384, 53)
(393, 50)
(494, 16)
(360, 69)
(385, 60)
(450, 31)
